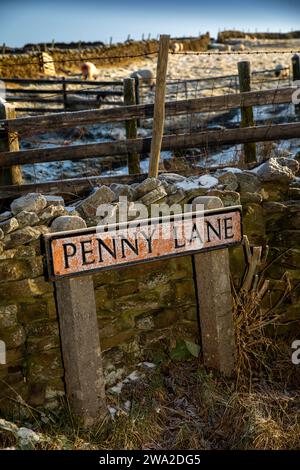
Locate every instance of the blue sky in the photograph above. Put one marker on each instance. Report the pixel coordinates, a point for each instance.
(90, 20)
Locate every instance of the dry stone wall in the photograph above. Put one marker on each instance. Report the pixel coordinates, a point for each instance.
(145, 312)
(30, 64)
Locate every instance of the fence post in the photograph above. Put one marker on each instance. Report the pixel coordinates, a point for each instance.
(131, 125)
(9, 142)
(137, 96)
(80, 343)
(212, 282)
(296, 76)
(159, 104)
(247, 119)
(65, 96)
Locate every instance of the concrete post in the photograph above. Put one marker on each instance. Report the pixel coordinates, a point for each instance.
(212, 279)
(81, 350)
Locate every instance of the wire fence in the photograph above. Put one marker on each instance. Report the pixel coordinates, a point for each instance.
(76, 96)
(152, 53)
(205, 157)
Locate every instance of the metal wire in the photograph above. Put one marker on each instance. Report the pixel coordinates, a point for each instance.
(145, 54)
(278, 51)
(39, 62)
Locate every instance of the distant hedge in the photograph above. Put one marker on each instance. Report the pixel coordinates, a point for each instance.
(224, 35)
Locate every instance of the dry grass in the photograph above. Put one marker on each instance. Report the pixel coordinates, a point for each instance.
(254, 347)
(181, 405)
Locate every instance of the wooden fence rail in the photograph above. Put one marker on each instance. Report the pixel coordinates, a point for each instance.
(63, 93)
(60, 81)
(67, 97)
(33, 125)
(169, 142)
(118, 150)
(40, 91)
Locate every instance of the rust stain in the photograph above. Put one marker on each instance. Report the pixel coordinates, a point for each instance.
(84, 252)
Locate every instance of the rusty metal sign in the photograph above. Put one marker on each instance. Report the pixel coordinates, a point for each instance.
(86, 251)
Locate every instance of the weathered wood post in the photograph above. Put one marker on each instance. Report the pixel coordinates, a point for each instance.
(65, 96)
(80, 343)
(214, 296)
(9, 142)
(137, 96)
(247, 118)
(296, 76)
(131, 125)
(159, 104)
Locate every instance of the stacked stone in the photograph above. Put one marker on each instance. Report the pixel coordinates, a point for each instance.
(72, 58)
(28, 324)
(12, 65)
(137, 307)
(144, 310)
(270, 197)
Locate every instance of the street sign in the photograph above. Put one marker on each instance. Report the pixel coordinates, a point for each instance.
(86, 251)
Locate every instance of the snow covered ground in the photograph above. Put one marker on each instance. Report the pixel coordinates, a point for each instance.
(180, 67)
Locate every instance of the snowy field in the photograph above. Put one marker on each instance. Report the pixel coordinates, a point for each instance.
(180, 68)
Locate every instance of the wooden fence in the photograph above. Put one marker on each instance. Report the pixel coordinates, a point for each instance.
(118, 149)
(87, 94)
(92, 93)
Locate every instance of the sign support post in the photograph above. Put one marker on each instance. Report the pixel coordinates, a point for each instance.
(80, 343)
(212, 277)
(74, 252)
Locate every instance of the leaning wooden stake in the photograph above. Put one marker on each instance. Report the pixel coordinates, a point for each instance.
(131, 125)
(256, 262)
(81, 350)
(159, 104)
(9, 142)
(247, 118)
(296, 76)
